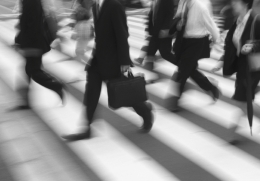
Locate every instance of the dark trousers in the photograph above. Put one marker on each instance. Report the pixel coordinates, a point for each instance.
(92, 94)
(192, 50)
(33, 69)
(164, 45)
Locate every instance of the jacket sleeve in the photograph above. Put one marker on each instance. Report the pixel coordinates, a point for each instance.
(121, 33)
(30, 24)
(210, 24)
(257, 35)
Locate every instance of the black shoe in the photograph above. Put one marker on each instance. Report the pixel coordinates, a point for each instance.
(215, 93)
(61, 93)
(77, 137)
(21, 107)
(172, 104)
(149, 66)
(235, 142)
(147, 126)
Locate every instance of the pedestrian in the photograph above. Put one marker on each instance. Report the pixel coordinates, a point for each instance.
(195, 25)
(82, 34)
(160, 19)
(33, 43)
(234, 59)
(110, 60)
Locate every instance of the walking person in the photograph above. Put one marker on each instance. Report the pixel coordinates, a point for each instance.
(160, 19)
(33, 44)
(197, 25)
(83, 32)
(234, 60)
(110, 59)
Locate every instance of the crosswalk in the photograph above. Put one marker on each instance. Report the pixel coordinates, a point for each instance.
(188, 146)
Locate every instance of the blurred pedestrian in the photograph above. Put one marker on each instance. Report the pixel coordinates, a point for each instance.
(160, 19)
(83, 32)
(110, 60)
(33, 41)
(192, 44)
(237, 48)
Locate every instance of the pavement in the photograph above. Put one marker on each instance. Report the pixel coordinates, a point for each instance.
(30, 150)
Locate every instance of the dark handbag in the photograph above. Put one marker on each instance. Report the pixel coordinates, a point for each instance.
(126, 91)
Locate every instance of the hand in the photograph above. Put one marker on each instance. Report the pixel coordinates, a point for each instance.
(246, 49)
(125, 68)
(164, 33)
(218, 66)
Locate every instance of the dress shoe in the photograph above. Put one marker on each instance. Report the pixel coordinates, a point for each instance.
(77, 137)
(147, 125)
(172, 104)
(235, 142)
(61, 93)
(20, 107)
(149, 66)
(215, 93)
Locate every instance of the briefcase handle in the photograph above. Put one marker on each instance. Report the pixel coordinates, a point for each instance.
(129, 74)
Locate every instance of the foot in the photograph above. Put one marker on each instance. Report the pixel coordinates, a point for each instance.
(215, 93)
(77, 137)
(235, 142)
(172, 104)
(61, 94)
(149, 66)
(148, 124)
(21, 107)
(139, 60)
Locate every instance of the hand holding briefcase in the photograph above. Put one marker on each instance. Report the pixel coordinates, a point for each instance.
(126, 91)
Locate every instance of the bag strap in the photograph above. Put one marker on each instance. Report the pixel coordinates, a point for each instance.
(252, 33)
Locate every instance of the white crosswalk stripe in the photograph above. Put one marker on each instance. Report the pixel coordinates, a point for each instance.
(117, 152)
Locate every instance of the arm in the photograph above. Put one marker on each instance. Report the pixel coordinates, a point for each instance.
(210, 24)
(164, 16)
(121, 33)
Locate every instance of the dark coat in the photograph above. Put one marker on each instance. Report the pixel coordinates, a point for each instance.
(230, 57)
(163, 17)
(31, 33)
(111, 30)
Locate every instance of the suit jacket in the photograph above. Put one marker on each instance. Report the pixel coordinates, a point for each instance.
(31, 34)
(111, 30)
(230, 57)
(162, 17)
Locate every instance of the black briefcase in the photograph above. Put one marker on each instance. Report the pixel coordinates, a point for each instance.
(126, 91)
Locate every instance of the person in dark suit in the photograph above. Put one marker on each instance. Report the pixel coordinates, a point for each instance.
(110, 59)
(159, 20)
(33, 44)
(234, 59)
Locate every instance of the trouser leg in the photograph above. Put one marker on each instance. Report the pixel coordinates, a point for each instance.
(92, 93)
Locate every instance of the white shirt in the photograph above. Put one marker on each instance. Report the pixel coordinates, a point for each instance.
(241, 23)
(200, 22)
(100, 2)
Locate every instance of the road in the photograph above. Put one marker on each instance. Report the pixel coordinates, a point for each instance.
(188, 146)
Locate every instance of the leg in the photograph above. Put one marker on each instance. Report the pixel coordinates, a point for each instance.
(151, 51)
(34, 70)
(165, 48)
(91, 97)
(92, 93)
(144, 110)
(204, 83)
